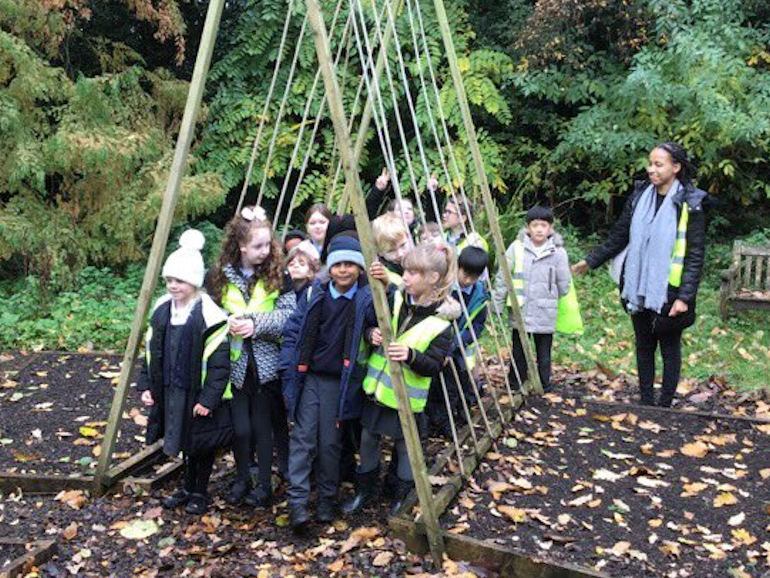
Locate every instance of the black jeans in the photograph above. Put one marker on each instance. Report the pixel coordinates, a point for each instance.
(671, 352)
(543, 343)
(272, 431)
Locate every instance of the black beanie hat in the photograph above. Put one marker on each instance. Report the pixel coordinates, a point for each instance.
(539, 213)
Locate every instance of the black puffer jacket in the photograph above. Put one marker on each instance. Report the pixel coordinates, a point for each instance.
(618, 238)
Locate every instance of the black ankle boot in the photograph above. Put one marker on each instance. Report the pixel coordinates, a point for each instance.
(239, 491)
(402, 491)
(178, 498)
(259, 497)
(367, 489)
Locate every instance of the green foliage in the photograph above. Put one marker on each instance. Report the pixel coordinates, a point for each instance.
(96, 314)
(242, 83)
(701, 78)
(83, 164)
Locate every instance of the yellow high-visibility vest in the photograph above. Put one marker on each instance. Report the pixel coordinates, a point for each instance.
(377, 382)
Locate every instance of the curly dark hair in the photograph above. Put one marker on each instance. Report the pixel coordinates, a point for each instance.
(238, 231)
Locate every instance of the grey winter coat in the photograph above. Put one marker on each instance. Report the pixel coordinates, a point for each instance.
(546, 278)
(268, 332)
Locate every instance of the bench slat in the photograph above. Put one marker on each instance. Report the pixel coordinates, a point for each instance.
(758, 273)
(767, 275)
(752, 251)
(746, 280)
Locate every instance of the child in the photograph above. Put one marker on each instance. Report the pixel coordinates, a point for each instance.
(303, 263)
(541, 275)
(248, 283)
(317, 221)
(403, 210)
(422, 337)
(456, 220)
(293, 238)
(471, 264)
(185, 376)
(324, 361)
(429, 231)
(392, 240)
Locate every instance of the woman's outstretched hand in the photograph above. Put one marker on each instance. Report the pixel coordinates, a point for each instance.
(580, 268)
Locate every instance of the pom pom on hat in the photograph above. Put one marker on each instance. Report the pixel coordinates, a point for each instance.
(186, 263)
(192, 239)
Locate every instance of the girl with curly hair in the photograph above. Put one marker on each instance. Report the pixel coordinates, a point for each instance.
(248, 282)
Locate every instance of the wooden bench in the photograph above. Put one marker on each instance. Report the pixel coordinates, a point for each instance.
(746, 284)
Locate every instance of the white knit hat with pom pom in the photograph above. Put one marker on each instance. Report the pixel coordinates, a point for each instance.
(186, 263)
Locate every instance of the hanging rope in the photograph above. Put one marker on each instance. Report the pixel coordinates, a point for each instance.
(262, 118)
(390, 157)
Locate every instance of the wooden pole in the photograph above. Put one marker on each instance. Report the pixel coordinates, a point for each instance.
(165, 219)
(366, 116)
(489, 204)
(363, 225)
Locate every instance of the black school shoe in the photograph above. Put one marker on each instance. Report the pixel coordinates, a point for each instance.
(237, 493)
(325, 511)
(259, 497)
(197, 504)
(178, 498)
(298, 517)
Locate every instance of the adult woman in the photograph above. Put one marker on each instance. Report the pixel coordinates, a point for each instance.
(660, 237)
(316, 222)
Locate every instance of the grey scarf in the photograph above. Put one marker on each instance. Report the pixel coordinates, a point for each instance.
(651, 243)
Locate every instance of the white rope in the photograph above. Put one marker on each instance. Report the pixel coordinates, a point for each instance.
(413, 180)
(455, 166)
(281, 109)
(269, 97)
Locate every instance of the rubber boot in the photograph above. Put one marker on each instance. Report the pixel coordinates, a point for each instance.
(402, 491)
(366, 492)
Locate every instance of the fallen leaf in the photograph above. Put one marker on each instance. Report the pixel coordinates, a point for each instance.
(70, 531)
(382, 559)
(695, 449)
(620, 548)
(743, 536)
(693, 489)
(516, 515)
(357, 536)
(581, 501)
(725, 499)
(670, 549)
(88, 432)
(608, 475)
(337, 565)
(764, 473)
(737, 519)
(73, 498)
(139, 529)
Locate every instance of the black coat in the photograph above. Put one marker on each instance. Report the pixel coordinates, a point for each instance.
(618, 238)
(214, 427)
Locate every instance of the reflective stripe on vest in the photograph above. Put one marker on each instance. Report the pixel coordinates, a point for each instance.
(211, 344)
(518, 273)
(378, 382)
(260, 302)
(680, 248)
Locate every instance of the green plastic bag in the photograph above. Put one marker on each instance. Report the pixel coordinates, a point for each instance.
(568, 318)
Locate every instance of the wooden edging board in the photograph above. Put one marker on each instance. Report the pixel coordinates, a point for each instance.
(43, 483)
(495, 557)
(41, 551)
(675, 411)
(55, 483)
(134, 484)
